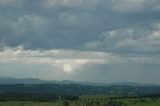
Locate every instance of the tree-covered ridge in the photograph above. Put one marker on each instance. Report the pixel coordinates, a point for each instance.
(70, 91)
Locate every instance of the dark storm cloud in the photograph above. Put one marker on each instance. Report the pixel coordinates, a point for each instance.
(70, 24)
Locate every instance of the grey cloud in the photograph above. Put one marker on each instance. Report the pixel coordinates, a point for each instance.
(79, 65)
(97, 35)
(70, 24)
(131, 40)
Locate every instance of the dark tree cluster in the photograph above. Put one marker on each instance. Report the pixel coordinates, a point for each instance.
(51, 92)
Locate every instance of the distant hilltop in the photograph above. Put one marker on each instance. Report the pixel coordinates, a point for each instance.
(9, 80)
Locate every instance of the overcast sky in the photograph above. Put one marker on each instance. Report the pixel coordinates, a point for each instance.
(82, 40)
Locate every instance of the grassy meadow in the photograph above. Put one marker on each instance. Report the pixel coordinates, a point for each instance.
(92, 100)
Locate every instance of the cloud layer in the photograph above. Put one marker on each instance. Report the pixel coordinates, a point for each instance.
(61, 64)
(82, 24)
(74, 36)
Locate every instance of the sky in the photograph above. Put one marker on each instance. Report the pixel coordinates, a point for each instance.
(107, 41)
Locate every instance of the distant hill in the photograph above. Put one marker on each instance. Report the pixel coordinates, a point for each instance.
(33, 89)
(8, 80)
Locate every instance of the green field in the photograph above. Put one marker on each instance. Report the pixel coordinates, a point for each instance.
(147, 104)
(92, 100)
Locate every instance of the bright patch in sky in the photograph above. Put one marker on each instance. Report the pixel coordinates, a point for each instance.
(67, 68)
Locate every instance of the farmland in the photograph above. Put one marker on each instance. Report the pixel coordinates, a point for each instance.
(92, 100)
